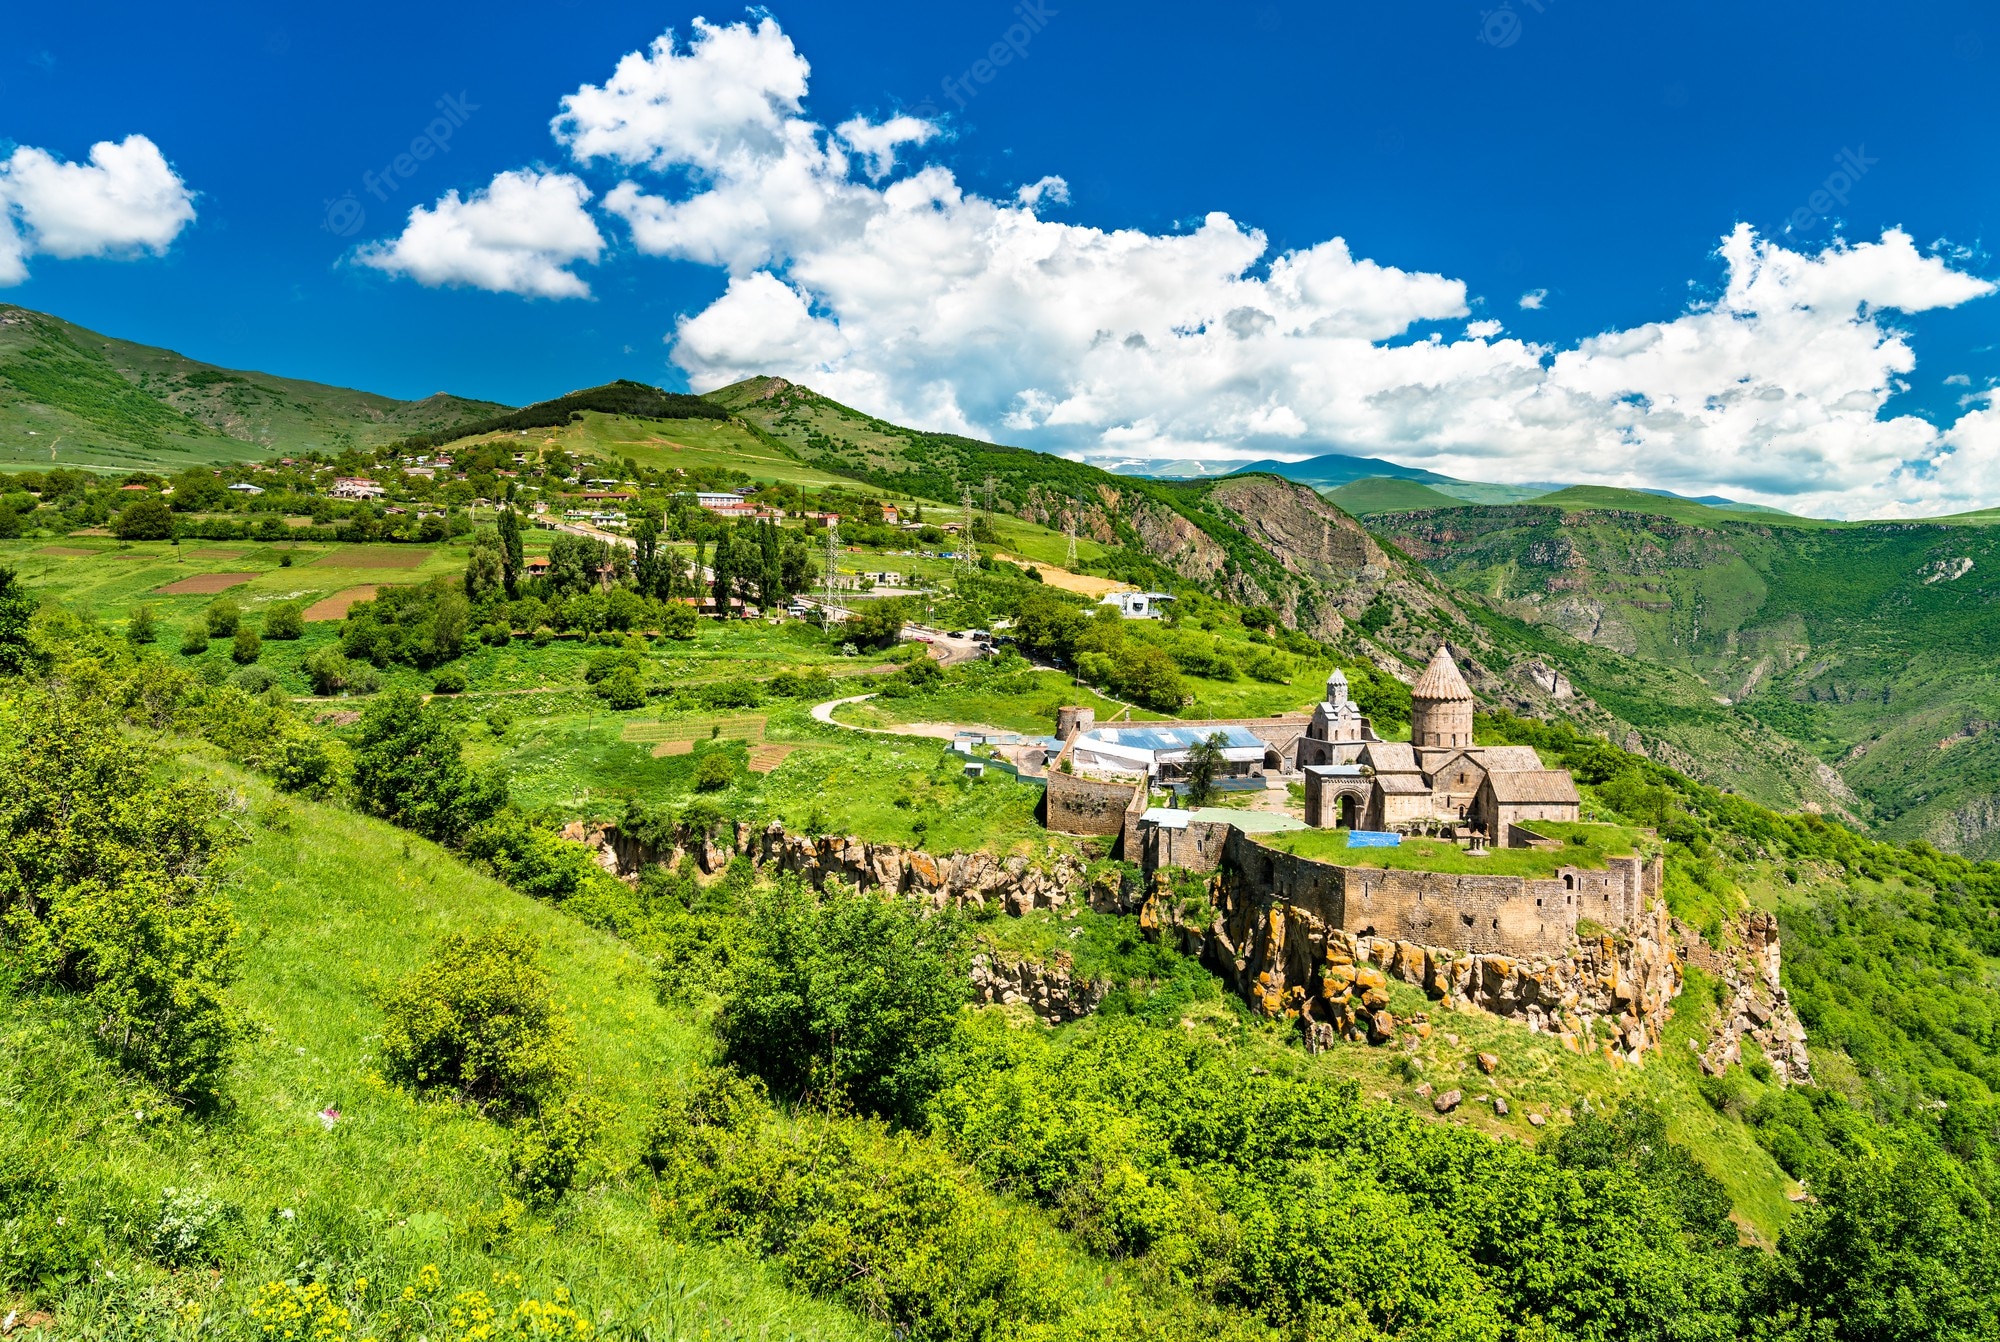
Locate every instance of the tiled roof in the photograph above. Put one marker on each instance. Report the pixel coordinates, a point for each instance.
(1441, 680)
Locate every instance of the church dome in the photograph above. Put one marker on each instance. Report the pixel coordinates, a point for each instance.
(1441, 681)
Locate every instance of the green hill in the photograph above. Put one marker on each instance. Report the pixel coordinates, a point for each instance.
(1606, 499)
(72, 397)
(1365, 498)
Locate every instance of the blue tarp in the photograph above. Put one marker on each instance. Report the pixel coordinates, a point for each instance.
(1369, 838)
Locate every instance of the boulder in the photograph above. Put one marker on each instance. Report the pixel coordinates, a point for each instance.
(1488, 1063)
(1448, 1101)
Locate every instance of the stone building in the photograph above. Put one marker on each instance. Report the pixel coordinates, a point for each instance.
(1439, 777)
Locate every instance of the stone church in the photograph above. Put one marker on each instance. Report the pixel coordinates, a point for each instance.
(1439, 778)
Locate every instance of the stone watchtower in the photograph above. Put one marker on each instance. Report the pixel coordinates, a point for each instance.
(1440, 705)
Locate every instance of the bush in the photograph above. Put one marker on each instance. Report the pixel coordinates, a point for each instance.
(142, 626)
(423, 626)
(191, 1228)
(194, 639)
(552, 1148)
(543, 636)
(253, 679)
(108, 889)
(303, 765)
(284, 621)
(847, 993)
(623, 689)
(246, 647)
(222, 616)
(479, 1019)
(331, 673)
(715, 771)
(451, 680)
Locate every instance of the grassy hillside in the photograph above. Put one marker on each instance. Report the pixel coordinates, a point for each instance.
(72, 397)
(334, 908)
(1365, 498)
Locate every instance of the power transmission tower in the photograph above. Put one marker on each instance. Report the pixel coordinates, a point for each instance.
(968, 548)
(829, 604)
(990, 483)
(1069, 530)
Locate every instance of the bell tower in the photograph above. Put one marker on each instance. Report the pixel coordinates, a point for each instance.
(1440, 705)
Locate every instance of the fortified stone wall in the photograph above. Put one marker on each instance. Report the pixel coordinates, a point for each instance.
(1200, 847)
(1473, 914)
(1086, 806)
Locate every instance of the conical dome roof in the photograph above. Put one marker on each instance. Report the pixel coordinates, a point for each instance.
(1441, 680)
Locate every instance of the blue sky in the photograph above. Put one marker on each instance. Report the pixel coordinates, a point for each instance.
(1596, 155)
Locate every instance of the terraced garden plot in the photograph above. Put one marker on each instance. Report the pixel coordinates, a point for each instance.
(335, 607)
(373, 556)
(66, 552)
(750, 728)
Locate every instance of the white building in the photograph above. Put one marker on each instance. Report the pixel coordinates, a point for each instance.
(1160, 750)
(1138, 605)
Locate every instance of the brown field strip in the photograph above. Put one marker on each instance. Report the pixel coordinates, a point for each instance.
(215, 554)
(373, 556)
(769, 755)
(335, 607)
(67, 552)
(665, 748)
(205, 584)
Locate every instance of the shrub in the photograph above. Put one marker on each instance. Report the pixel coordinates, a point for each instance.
(194, 639)
(222, 616)
(451, 680)
(284, 621)
(284, 559)
(422, 626)
(479, 1019)
(191, 1227)
(714, 771)
(305, 766)
(253, 679)
(623, 689)
(847, 993)
(142, 626)
(543, 636)
(246, 647)
(551, 1148)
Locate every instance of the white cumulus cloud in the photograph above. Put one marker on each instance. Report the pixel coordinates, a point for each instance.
(519, 235)
(126, 201)
(857, 266)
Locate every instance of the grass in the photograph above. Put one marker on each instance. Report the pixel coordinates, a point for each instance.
(1025, 702)
(1586, 846)
(335, 907)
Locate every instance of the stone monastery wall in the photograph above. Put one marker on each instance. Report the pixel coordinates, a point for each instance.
(1470, 914)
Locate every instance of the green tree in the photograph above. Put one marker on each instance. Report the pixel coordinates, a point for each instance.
(715, 771)
(847, 993)
(678, 620)
(409, 768)
(142, 626)
(876, 624)
(511, 553)
(486, 568)
(194, 639)
(246, 647)
(1901, 1247)
(146, 519)
(1205, 761)
(574, 563)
